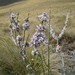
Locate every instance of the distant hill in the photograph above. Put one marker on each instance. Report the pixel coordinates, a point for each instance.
(6, 2)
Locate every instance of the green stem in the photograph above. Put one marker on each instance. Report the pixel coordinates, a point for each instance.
(48, 61)
(42, 64)
(44, 60)
(24, 36)
(41, 59)
(34, 70)
(49, 50)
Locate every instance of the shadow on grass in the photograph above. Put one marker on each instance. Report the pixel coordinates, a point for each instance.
(7, 2)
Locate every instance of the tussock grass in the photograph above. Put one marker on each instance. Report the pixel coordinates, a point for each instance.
(10, 60)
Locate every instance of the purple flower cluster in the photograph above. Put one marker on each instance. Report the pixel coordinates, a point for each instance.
(26, 25)
(14, 23)
(19, 40)
(24, 45)
(43, 18)
(40, 28)
(37, 39)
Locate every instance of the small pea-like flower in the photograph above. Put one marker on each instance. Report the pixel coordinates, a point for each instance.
(19, 38)
(16, 28)
(43, 18)
(35, 52)
(12, 16)
(26, 26)
(40, 28)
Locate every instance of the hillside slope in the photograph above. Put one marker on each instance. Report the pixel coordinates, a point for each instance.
(58, 10)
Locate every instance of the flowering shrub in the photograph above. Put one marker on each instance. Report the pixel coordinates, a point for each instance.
(38, 40)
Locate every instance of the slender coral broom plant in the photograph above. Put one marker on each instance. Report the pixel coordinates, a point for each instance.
(58, 48)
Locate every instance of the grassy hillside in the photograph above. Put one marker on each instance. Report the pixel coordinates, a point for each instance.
(58, 9)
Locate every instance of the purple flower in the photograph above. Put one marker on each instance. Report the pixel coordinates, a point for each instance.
(40, 28)
(37, 39)
(43, 18)
(26, 26)
(44, 14)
